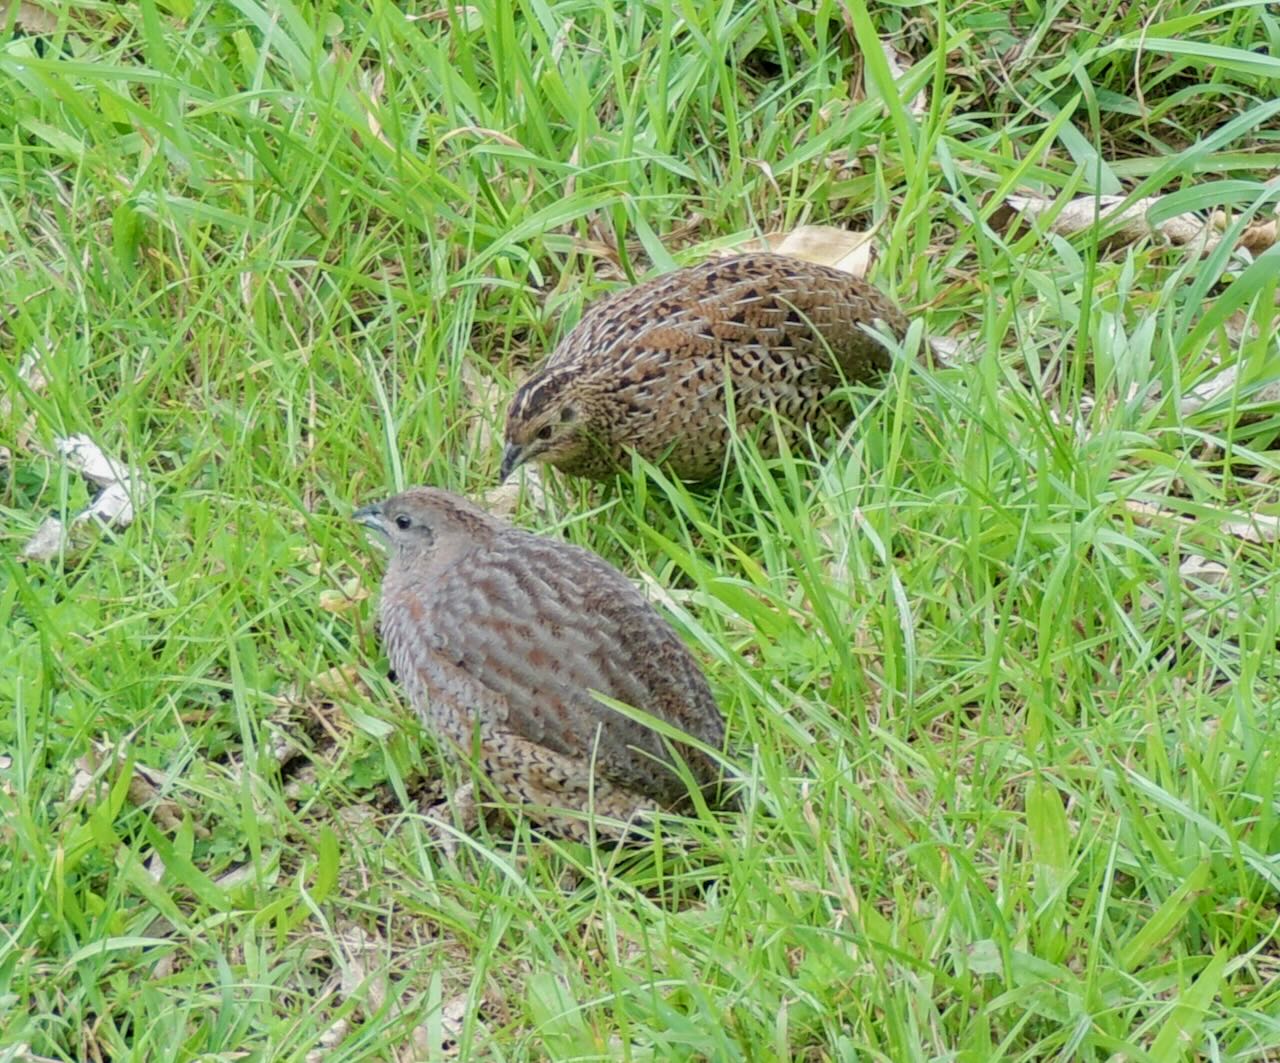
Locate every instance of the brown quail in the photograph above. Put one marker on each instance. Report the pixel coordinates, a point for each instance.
(646, 368)
(498, 636)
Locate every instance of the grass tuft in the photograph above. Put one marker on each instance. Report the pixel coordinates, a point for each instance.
(999, 663)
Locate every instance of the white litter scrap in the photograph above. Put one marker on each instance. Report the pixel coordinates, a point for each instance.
(1131, 221)
(1251, 526)
(1188, 229)
(1222, 384)
(112, 507)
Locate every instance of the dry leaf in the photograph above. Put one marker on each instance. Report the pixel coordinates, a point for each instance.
(363, 963)
(372, 102)
(49, 538)
(599, 249)
(1252, 527)
(1241, 326)
(1203, 572)
(359, 818)
(469, 17)
(1085, 212)
(562, 40)
(453, 1013)
(247, 290)
(31, 373)
(301, 781)
(482, 132)
(329, 1040)
(360, 953)
(825, 245)
(673, 600)
(32, 18)
(483, 396)
(1221, 384)
(949, 352)
(145, 786)
(155, 868)
(238, 876)
(85, 457)
(310, 557)
(82, 780)
(502, 500)
(351, 594)
(1259, 236)
(1196, 573)
(920, 102)
(338, 681)
(767, 170)
(571, 182)
(144, 789)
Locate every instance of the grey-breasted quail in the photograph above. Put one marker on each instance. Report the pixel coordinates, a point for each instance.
(646, 369)
(498, 636)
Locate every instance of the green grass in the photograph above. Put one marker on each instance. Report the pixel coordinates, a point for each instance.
(1011, 773)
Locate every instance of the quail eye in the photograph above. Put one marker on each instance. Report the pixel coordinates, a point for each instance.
(403, 522)
(544, 432)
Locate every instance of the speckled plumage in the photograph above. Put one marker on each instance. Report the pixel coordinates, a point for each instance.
(498, 636)
(645, 369)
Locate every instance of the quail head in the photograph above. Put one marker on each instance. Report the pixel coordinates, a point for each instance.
(499, 637)
(651, 368)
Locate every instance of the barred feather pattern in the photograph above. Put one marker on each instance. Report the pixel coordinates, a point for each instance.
(498, 637)
(651, 366)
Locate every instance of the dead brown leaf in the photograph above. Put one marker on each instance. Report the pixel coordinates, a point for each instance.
(1196, 574)
(484, 399)
(825, 245)
(363, 961)
(468, 16)
(1259, 236)
(899, 62)
(949, 352)
(339, 681)
(83, 779)
(341, 600)
(146, 786)
(504, 499)
(1085, 212)
(371, 102)
(30, 372)
(32, 18)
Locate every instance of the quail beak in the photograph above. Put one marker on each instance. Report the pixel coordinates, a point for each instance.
(370, 517)
(512, 459)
